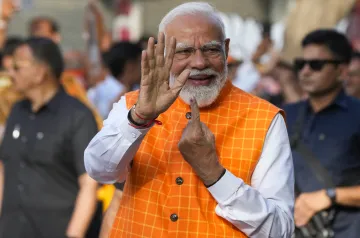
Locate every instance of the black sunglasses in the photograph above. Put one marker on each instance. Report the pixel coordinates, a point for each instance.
(316, 64)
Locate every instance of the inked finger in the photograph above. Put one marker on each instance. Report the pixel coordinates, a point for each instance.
(195, 114)
(150, 52)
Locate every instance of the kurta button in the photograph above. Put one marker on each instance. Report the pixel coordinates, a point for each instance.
(174, 217)
(188, 115)
(133, 135)
(179, 181)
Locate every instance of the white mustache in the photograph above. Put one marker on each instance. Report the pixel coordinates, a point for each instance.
(195, 72)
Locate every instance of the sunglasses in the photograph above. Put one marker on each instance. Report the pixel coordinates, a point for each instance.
(315, 65)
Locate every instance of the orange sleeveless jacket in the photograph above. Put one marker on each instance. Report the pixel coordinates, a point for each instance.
(153, 192)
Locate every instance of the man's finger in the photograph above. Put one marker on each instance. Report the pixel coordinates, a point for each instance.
(169, 52)
(150, 52)
(159, 49)
(180, 82)
(144, 64)
(195, 114)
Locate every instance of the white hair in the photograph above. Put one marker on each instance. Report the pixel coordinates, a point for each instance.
(195, 9)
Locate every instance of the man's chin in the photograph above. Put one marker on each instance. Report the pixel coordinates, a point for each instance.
(202, 103)
(203, 95)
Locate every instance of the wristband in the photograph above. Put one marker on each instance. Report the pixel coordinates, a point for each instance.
(331, 193)
(141, 126)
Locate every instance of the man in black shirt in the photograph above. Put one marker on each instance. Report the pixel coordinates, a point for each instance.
(47, 192)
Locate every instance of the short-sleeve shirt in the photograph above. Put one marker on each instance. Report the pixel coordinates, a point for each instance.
(43, 156)
(333, 135)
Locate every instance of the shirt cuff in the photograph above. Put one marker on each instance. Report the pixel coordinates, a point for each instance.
(225, 187)
(131, 133)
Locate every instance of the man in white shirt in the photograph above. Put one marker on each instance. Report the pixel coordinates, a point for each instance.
(179, 181)
(103, 94)
(123, 67)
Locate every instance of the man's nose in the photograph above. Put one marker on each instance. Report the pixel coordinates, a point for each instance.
(198, 61)
(306, 70)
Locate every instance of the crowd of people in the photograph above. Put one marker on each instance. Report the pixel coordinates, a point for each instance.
(153, 138)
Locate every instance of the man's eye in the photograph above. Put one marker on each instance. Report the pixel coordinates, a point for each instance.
(212, 50)
(188, 51)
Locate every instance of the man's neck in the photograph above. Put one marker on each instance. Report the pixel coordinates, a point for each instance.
(318, 103)
(123, 80)
(100, 79)
(41, 95)
(357, 95)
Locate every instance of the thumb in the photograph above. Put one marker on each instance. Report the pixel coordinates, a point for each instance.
(180, 81)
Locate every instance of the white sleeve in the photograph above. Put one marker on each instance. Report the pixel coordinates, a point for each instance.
(266, 208)
(108, 155)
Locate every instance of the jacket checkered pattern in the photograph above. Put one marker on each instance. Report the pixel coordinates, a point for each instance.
(239, 122)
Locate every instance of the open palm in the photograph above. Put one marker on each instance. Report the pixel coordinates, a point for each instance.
(156, 95)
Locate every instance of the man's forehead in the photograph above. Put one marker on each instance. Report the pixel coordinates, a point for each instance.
(23, 51)
(194, 28)
(355, 62)
(316, 49)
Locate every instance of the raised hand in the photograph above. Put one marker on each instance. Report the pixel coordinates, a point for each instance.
(156, 95)
(197, 146)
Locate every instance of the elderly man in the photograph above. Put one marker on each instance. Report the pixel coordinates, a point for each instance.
(222, 170)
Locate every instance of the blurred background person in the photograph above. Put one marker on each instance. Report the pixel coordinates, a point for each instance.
(280, 85)
(233, 66)
(47, 27)
(110, 214)
(352, 82)
(44, 26)
(75, 65)
(124, 62)
(11, 44)
(104, 89)
(47, 192)
(7, 10)
(8, 96)
(328, 125)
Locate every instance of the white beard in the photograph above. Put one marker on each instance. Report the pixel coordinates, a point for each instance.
(204, 95)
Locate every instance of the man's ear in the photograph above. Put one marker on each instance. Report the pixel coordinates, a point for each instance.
(42, 73)
(57, 38)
